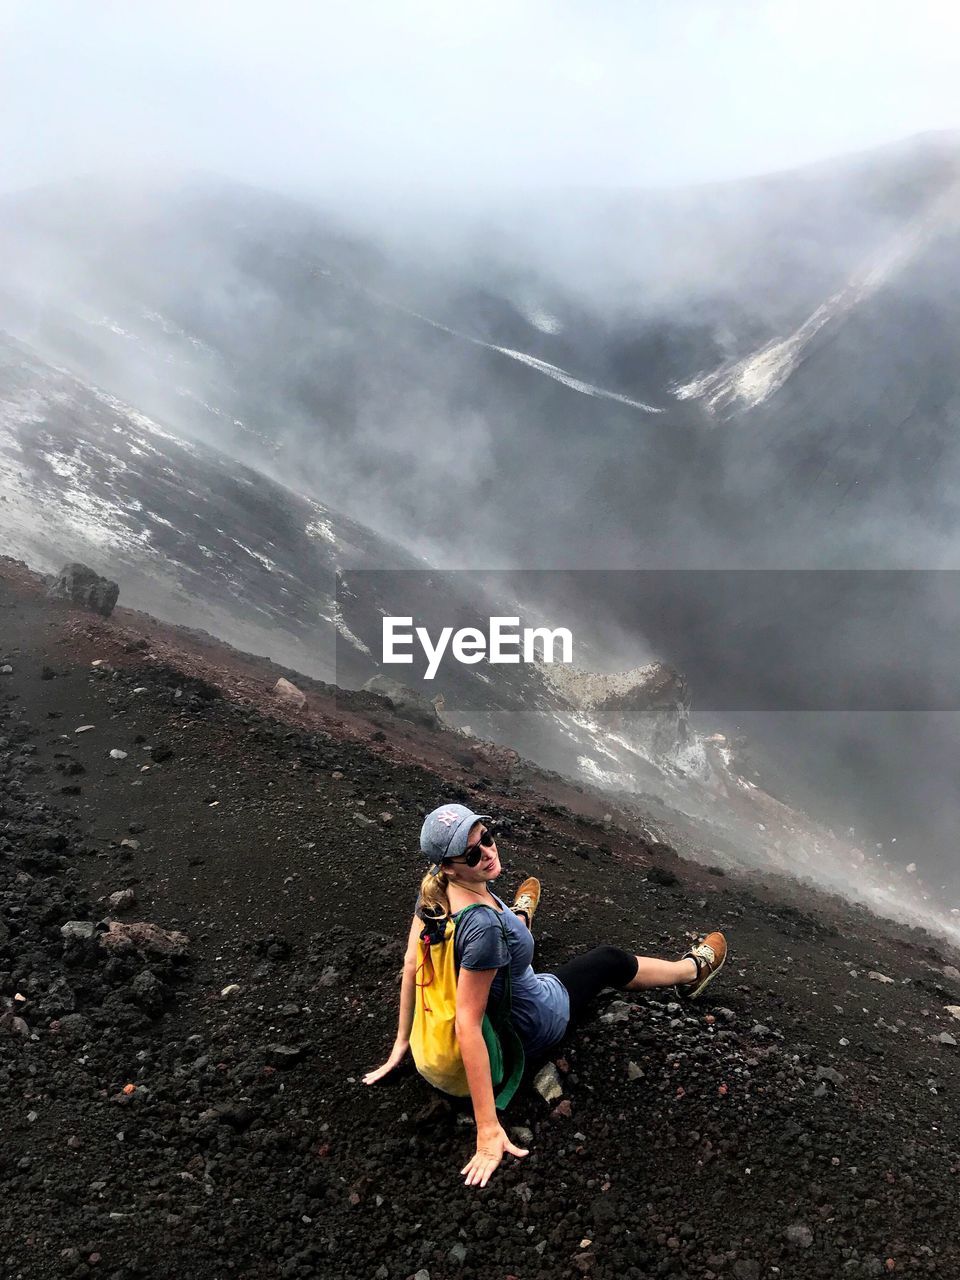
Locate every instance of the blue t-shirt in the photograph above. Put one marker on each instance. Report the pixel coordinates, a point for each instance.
(541, 1003)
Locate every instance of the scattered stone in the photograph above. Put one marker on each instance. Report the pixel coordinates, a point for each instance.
(634, 1072)
(117, 754)
(828, 1073)
(285, 1055)
(74, 1026)
(946, 1038)
(122, 900)
(547, 1083)
(457, 1254)
(80, 930)
(953, 1010)
(563, 1110)
(617, 1011)
(746, 1269)
(952, 972)
(662, 876)
(879, 977)
(80, 585)
(799, 1233)
(85, 728)
(6, 669)
(523, 1136)
(230, 990)
(386, 819)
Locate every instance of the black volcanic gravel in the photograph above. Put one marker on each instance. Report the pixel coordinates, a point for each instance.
(802, 1122)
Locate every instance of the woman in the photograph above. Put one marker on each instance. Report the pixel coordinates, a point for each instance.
(465, 861)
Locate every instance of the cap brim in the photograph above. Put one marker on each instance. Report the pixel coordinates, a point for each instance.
(458, 842)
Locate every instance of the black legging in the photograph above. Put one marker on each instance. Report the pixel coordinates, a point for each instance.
(586, 976)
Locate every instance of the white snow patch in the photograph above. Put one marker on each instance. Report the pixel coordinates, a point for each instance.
(541, 366)
(568, 380)
(137, 419)
(322, 528)
(347, 634)
(104, 322)
(174, 331)
(756, 377)
(267, 563)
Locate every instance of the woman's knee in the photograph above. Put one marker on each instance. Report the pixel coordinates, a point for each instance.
(619, 965)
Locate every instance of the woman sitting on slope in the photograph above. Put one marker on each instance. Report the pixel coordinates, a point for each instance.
(465, 861)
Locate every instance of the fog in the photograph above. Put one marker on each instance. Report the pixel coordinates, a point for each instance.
(400, 97)
(464, 276)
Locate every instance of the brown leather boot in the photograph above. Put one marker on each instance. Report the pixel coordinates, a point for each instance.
(528, 899)
(709, 955)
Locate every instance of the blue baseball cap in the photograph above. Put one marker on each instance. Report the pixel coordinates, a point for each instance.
(444, 832)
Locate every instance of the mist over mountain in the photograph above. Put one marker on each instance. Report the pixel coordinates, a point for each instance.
(735, 376)
(402, 374)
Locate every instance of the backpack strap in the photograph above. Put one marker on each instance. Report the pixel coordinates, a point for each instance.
(503, 1043)
(505, 1003)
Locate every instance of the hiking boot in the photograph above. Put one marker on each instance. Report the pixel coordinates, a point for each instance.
(527, 899)
(709, 955)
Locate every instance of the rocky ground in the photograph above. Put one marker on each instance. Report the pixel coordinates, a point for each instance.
(183, 1100)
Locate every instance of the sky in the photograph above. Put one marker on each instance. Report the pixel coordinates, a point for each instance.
(475, 101)
(416, 94)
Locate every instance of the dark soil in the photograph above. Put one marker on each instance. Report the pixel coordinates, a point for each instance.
(801, 1122)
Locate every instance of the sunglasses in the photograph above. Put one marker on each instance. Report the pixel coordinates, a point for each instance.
(474, 852)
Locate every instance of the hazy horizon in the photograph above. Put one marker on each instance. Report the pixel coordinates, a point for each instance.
(414, 97)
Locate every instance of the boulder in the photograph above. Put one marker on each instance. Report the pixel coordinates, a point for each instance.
(285, 691)
(79, 584)
(140, 935)
(78, 930)
(406, 702)
(122, 900)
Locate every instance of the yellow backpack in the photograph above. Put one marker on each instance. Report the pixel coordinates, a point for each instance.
(433, 1038)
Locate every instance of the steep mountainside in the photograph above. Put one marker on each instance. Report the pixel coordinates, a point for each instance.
(757, 373)
(200, 941)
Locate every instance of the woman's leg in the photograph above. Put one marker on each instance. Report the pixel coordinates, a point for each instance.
(585, 976)
(662, 973)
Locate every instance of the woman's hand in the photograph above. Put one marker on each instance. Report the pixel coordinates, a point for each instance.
(491, 1148)
(397, 1054)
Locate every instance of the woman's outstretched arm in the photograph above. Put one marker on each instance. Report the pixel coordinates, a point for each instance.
(408, 993)
(473, 988)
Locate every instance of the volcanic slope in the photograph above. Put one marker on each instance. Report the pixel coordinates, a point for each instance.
(800, 1122)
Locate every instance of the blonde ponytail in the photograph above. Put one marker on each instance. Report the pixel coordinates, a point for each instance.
(433, 894)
